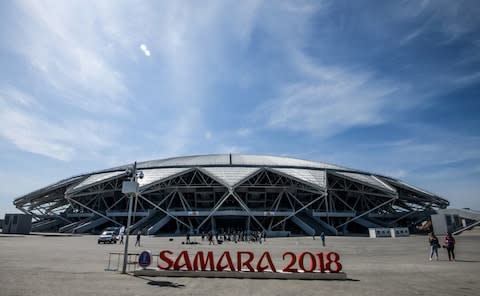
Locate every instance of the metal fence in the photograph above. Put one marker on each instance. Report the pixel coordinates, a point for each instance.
(115, 262)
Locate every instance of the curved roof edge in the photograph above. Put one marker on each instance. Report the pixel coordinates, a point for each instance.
(226, 160)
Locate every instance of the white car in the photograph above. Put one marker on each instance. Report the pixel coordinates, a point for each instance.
(107, 237)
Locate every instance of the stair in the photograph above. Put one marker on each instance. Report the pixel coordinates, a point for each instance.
(307, 229)
(71, 226)
(157, 226)
(87, 226)
(46, 225)
(141, 223)
(366, 223)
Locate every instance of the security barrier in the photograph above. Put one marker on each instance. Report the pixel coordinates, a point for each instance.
(388, 232)
(115, 261)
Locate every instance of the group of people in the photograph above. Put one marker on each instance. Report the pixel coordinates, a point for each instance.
(235, 236)
(122, 234)
(258, 236)
(448, 244)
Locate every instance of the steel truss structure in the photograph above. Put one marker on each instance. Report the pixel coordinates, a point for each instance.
(232, 192)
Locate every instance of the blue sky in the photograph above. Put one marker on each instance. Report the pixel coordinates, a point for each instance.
(390, 87)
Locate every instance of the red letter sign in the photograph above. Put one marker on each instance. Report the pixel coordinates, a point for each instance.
(261, 268)
(247, 263)
(186, 261)
(229, 265)
(200, 260)
(163, 256)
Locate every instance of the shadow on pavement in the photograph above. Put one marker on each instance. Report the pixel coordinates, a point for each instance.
(165, 284)
(161, 283)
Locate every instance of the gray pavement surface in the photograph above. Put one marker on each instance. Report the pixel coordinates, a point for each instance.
(74, 265)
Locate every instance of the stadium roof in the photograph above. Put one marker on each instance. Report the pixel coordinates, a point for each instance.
(230, 170)
(232, 160)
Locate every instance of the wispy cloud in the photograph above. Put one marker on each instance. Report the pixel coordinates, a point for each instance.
(83, 52)
(72, 53)
(329, 99)
(432, 154)
(35, 133)
(453, 20)
(208, 135)
(244, 132)
(232, 149)
(67, 46)
(467, 79)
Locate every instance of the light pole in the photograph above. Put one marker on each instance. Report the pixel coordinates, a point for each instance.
(131, 189)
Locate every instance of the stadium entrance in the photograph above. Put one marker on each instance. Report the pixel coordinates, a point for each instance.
(229, 224)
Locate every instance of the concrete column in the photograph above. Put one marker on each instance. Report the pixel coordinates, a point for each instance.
(177, 226)
(214, 224)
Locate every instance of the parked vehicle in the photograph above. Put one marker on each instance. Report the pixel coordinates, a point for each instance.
(116, 231)
(107, 237)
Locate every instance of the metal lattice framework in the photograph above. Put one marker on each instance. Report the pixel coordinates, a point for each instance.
(220, 192)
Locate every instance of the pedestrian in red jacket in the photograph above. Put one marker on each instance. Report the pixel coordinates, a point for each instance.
(450, 245)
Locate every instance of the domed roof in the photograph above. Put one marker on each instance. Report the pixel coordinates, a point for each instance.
(236, 160)
(231, 170)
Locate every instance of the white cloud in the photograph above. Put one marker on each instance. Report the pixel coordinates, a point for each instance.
(321, 97)
(412, 35)
(244, 132)
(76, 51)
(467, 79)
(65, 43)
(329, 100)
(10, 95)
(208, 135)
(32, 132)
(79, 51)
(232, 149)
(452, 19)
(398, 173)
(435, 154)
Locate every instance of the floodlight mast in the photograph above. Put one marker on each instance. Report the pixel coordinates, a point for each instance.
(131, 194)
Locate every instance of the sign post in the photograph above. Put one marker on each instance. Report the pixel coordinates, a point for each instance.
(131, 189)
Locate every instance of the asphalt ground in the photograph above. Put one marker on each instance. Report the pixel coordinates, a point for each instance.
(75, 265)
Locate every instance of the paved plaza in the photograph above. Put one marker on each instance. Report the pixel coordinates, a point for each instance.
(74, 265)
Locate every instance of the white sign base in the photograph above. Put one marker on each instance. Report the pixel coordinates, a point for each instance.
(243, 275)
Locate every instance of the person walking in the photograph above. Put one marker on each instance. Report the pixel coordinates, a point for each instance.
(450, 245)
(138, 238)
(188, 238)
(322, 237)
(210, 238)
(434, 244)
(122, 231)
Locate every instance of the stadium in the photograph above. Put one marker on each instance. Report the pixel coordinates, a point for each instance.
(223, 192)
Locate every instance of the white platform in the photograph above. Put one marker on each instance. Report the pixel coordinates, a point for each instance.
(244, 275)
